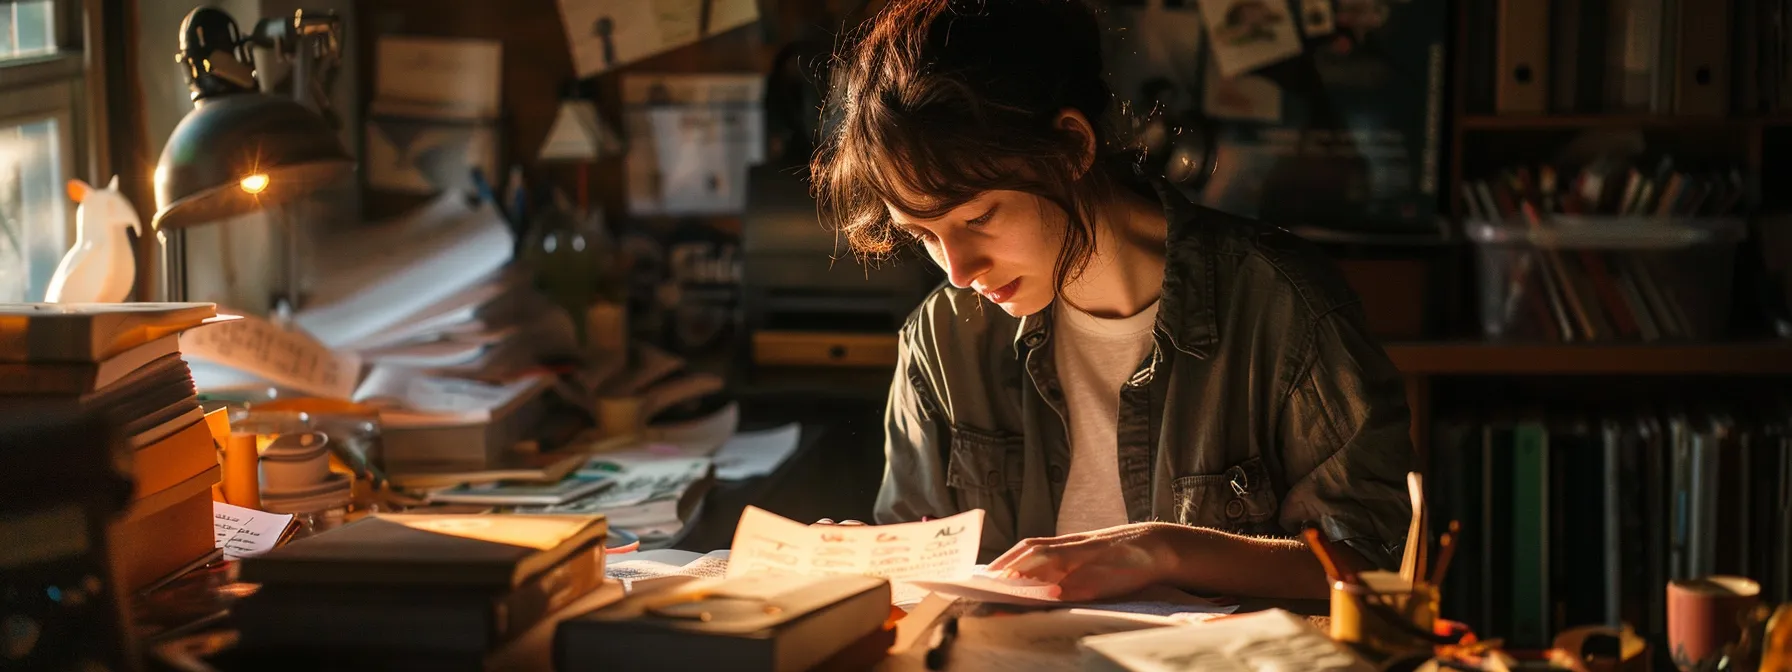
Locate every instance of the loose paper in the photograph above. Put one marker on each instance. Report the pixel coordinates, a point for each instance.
(244, 532)
(1029, 642)
(289, 359)
(752, 454)
(412, 398)
(1267, 640)
(1249, 34)
(605, 34)
(935, 549)
(691, 139)
(1157, 600)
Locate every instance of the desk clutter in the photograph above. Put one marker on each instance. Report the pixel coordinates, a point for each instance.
(1600, 517)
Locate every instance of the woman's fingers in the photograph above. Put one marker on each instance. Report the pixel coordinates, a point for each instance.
(1006, 559)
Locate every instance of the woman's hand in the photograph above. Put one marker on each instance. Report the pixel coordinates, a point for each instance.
(1096, 565)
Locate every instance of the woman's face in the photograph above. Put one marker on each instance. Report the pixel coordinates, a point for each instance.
(1003, 244)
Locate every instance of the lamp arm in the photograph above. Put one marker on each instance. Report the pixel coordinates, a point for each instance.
(312, 41)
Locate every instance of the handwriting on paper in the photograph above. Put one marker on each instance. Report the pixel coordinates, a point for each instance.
(936, 549)
(285, 358)
(244, 532)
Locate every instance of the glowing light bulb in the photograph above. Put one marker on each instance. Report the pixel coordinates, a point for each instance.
(254, 184)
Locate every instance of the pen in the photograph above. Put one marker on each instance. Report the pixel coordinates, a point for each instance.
(936, 656)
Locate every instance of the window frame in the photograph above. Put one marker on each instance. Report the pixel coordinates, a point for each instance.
(55, 85)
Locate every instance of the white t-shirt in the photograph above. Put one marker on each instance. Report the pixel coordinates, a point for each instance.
(1095, 357)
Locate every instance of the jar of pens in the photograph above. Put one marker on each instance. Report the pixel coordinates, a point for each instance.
(1388, 616)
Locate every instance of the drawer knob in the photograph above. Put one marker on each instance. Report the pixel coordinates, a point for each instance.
(837, 352)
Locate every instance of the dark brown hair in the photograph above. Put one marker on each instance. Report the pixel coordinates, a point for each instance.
(945, 99)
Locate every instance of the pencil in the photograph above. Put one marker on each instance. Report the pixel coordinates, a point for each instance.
(1320, 548)
(1446, 547)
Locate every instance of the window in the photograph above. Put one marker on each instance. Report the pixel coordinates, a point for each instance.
(40, 112)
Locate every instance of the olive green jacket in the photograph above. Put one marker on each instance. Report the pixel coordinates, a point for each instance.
(1263, 408)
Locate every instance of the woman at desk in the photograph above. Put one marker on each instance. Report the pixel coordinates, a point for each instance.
(1135, 389)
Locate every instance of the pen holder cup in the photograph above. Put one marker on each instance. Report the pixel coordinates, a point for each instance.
(1383, 614)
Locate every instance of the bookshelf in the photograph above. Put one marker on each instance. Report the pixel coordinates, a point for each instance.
(1414, 359)
(1479, 408)
(1743, 358)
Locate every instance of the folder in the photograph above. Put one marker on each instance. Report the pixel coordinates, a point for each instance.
(1523, 57)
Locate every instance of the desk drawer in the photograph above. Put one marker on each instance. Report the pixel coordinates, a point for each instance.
(796, 348)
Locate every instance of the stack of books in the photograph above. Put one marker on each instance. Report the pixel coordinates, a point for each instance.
(439, 590)
(122, 362)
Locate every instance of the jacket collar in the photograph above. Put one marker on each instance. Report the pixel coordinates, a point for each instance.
(1187, 315)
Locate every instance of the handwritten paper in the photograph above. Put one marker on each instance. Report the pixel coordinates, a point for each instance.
(936, 549)
(289, 359)
(244, 532)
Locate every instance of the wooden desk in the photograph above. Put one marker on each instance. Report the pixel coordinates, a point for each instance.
(834, 473)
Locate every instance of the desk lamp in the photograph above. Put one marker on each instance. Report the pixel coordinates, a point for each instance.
(240, 149)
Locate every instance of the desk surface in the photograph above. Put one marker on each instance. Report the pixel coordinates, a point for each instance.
(834, 473)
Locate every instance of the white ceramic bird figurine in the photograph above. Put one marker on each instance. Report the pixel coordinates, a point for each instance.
(100, 267)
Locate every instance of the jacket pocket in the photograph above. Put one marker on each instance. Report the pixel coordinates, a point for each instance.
(984, 463)
(1239, 499)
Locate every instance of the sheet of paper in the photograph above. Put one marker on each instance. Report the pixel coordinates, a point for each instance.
(244, 532)
(936, 549)
(385, 275)
(289, 359)
(702, 119)
(628, 571)
(1030, 642)
(752, 454)
(1266, 640)
(605, 34)
(411, 398)
(701, 156)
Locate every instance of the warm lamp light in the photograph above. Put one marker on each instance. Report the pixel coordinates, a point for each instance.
(240, 150)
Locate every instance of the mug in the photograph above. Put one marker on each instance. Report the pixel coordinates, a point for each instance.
(1705, 616)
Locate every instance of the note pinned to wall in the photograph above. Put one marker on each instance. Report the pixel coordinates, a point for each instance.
(691, 139)
(242, 532)
(605, 34)
(935, 549)
(262, 350)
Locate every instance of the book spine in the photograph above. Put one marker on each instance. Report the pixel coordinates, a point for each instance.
(1530, 538)
(546, 593)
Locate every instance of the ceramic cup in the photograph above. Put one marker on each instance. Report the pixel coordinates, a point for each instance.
(1704, 616)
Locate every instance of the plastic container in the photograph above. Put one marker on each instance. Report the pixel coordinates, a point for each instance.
(1605, 279)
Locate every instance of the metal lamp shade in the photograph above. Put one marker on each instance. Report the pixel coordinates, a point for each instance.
(199, 178)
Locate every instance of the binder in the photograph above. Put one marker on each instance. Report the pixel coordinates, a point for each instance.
(1522, 57)
(1702, 64)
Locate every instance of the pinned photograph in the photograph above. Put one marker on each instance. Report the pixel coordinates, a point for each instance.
(1249, 34)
